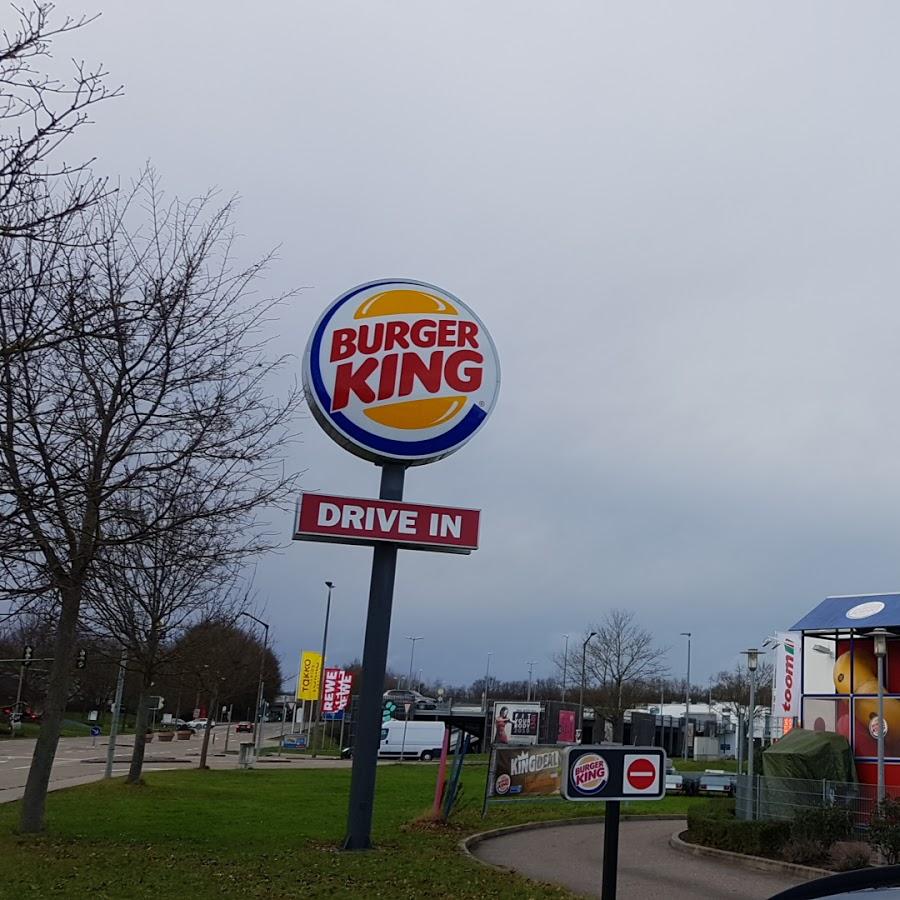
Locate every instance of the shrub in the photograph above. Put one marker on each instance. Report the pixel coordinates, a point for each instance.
(819, 828)
(847, 855)
(884, 830)
(724, 833)
(803, 851)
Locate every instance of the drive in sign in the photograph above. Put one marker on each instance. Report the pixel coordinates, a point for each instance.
(356, 520)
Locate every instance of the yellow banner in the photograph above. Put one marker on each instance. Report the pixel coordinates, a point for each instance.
(308, 686)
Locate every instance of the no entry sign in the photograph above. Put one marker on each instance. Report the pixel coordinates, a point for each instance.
(614, 773)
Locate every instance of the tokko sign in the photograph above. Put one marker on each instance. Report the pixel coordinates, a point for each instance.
(400, 371)
(353, 520)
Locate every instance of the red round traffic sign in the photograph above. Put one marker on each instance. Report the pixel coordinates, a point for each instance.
(641, 774)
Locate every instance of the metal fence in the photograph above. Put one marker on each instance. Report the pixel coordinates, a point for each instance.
(780, 798)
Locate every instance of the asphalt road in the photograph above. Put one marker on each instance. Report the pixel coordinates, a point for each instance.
(648, 868)
(81, 760)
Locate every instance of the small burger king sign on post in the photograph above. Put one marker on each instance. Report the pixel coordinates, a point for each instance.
(400, 373)
(613, 773)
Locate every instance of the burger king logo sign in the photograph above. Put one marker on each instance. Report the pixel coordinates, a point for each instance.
(589, 774)
(400, 371)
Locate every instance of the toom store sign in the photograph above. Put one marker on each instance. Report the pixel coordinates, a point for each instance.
(400, 371)
(354, 520)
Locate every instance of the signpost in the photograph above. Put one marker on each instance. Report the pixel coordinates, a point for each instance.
(613, 774)
(399, 373)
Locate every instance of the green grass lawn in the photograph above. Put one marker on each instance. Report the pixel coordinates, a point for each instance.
(267, 834)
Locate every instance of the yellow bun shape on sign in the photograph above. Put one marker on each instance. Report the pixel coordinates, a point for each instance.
(404, 302)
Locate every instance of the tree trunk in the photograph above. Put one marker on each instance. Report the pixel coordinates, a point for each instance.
(204, 749)
(31, 818)
(140, 736)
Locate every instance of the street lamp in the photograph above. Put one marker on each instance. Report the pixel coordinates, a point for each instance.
(880, 636)
(752, 662)
(487, 681)
(530, 675)
(687, 697)
(330, 586)
(581, 690)
(412, 653)
(565, 667)
(259, 693)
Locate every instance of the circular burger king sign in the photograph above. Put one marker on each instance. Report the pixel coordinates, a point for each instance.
(589, 774)
(400, 371)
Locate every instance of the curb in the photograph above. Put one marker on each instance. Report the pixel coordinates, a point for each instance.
(473, 840)
(758, 863)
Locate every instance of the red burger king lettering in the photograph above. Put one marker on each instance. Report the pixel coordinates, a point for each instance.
(395, 374)
(590, 772)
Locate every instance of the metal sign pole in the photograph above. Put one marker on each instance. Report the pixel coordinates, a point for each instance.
(610, 850)
(114, 724)
(378, 628)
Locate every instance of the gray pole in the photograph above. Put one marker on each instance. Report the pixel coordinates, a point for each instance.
(257, 737)
(487, 678)
(581, 689)
(378, 627)
(114, 725)
(880, 728)
(330, 586)
(565, 667)
(750, 730)
(687, 697)
(410, 706)
(530, 674)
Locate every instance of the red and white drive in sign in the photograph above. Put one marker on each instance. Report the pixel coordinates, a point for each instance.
(336, 690)
(641, 774)
(355, 520)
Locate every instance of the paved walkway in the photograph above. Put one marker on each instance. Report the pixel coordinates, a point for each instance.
(82, 760)
(648, 867)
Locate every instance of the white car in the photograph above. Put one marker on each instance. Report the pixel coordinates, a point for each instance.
(200, 724)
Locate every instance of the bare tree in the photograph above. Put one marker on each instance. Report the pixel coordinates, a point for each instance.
(621, 660)
(147, 595)
(38, 113)
(732, 690)
(172, 385)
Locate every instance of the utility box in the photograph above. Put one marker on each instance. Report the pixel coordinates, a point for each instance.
(247, 755)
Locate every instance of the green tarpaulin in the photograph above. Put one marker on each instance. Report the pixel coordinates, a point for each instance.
(809, 754)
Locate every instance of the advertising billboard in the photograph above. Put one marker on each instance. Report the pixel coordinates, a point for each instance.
(524, 772)
(336, 694)
(516, 722)
(566, 732)
(788, 661)
(310, 675)
(400, 371)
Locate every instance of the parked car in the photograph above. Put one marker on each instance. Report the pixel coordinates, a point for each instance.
(200, 724)
(419, 701)
(717, 781)
(244, 726)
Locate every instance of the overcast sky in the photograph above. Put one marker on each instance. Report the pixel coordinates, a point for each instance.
(679, 222)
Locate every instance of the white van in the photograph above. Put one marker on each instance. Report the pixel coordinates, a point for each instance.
(424, 740)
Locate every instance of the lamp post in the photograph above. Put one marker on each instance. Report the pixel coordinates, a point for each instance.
(880, 636)
(687, 697)
(257, 738)
(408, 706)
(412, 653)
(487, 680)
(752, 662)
(530, 676)
(330, 586)
(581, 690)
(565, 667)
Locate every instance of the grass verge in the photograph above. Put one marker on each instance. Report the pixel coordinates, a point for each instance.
(267, 834)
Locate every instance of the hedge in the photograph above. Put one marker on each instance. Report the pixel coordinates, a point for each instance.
(726, 833)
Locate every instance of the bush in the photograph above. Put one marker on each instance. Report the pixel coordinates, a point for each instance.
(819, 828)
(802, 851)
(884, 830)
(728, 833)
(848, 855)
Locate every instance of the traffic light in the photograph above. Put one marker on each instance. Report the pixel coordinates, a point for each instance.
(27, 655)
(81, 661)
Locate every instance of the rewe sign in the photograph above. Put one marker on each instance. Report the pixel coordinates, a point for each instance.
(354, 520)
(336, 690)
